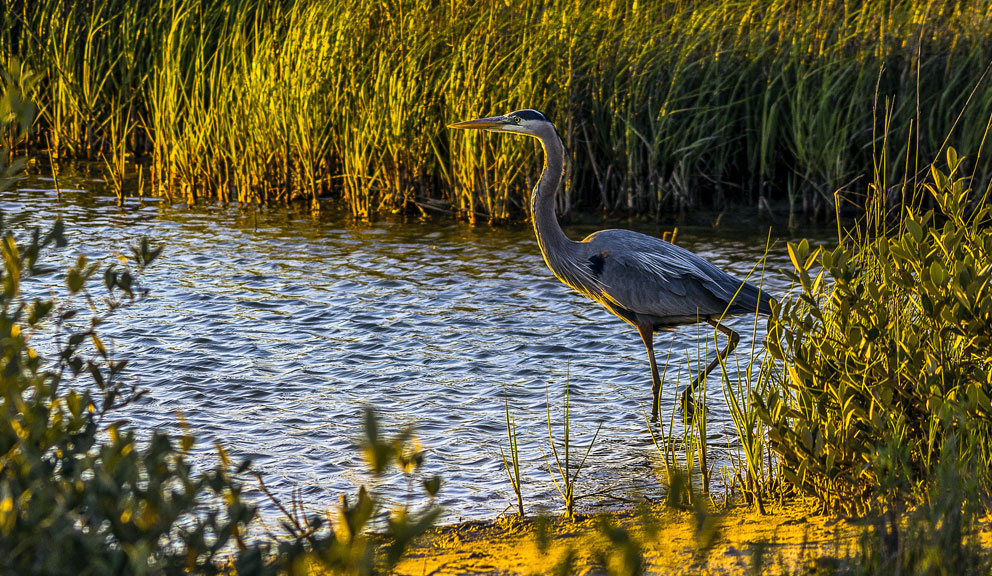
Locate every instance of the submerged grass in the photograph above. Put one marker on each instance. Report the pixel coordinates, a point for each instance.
(664, 105)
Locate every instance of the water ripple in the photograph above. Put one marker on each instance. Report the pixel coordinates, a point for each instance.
(270, 332)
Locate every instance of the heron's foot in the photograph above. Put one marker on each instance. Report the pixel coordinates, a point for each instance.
(688, 405)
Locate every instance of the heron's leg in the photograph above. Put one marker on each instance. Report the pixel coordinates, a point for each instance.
(646, 330)
(733, 339)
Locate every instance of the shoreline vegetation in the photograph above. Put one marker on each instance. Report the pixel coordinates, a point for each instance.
(666, 106)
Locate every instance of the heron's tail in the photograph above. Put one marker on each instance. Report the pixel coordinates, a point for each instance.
(750, 299)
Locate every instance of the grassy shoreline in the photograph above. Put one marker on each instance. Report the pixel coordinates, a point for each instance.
(665, 105)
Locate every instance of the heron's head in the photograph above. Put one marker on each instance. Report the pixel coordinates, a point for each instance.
(529, 122)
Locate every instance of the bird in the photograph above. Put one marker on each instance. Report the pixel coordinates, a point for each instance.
(649, 283)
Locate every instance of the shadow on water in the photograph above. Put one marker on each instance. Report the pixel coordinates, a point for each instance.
(270, 330)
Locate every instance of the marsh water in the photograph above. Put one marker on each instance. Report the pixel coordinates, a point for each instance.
(270, 330)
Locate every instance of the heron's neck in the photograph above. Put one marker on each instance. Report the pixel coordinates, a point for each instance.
(550, 237)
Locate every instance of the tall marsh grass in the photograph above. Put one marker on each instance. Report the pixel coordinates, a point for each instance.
(665, 104)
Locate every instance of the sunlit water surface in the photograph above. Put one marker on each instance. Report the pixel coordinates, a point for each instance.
(270, 331)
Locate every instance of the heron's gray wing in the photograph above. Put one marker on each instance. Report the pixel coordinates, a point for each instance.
(653, 278)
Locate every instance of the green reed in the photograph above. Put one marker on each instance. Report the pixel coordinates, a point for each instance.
(567, 473)
(666, 445)
(683, 443)
(751, 437)
(678, 474)
(664, 105)
(512, 465)
(683, 450)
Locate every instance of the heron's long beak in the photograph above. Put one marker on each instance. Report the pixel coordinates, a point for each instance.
(491, 123)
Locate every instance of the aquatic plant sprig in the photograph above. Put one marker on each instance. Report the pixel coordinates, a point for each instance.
(737, 393)
(566, 476)
(512, 466)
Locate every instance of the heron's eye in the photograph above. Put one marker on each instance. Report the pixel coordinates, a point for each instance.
(516, 119)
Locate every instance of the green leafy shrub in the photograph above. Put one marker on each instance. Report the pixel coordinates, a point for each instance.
(887, 350)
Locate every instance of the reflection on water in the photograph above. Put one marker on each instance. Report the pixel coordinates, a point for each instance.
(271, 331)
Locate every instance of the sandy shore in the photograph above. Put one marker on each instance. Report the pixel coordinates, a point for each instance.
(671, 542)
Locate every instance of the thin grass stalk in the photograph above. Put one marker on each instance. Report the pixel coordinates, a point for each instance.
(566, 477)
(742, 410)
(512, 466)
(667, 452)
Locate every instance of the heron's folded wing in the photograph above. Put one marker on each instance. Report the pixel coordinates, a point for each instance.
(666, 281)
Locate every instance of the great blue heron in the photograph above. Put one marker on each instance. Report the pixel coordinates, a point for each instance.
(647, 282)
